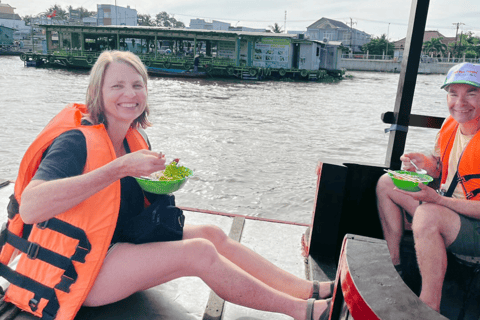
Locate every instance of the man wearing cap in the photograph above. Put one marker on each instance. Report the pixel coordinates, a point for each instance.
(448, 219)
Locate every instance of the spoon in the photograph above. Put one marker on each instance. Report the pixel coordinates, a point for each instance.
(417, 169)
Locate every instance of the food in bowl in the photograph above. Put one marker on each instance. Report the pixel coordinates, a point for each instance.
(171, 172)
(407, 180)
(166, 181)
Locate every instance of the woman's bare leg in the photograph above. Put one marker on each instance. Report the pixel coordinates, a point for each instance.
(147, 265)
(255, 264)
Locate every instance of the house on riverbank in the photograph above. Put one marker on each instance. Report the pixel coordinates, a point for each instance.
(399, 45)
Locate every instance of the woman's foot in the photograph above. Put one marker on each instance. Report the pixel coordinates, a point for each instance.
(318, 309)
(322, 290)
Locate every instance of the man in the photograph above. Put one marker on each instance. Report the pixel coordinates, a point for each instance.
(196, 61)
(449, 221)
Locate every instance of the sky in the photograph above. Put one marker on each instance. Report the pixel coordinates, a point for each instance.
(389, 17)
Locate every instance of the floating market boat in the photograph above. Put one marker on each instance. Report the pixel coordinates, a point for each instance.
(343, 242)
(238, 54)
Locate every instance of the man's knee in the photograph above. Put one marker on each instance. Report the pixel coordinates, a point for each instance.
(383, 184)
(425, 221)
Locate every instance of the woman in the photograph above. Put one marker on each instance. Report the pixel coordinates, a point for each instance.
(90, 188)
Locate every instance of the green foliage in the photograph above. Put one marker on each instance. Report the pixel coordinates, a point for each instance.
(378, 46)
(466, 44)
(163, 19)
(469, 54)
(145, 20)
(60, 14)
(435, 45)
(83, 13)
(276, 28)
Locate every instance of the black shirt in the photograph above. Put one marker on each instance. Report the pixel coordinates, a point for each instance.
(66, 157)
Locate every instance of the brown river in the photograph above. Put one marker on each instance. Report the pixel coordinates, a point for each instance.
(253, 145)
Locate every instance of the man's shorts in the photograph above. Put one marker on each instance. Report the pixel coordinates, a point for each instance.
(467, 242)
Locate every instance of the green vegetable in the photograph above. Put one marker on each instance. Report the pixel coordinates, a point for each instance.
(174, 172)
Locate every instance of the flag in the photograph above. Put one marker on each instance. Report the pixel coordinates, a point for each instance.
(53, 14)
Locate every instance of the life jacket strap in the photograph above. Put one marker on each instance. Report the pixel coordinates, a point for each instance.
(83, 247)
(34, 251)
(40, 291)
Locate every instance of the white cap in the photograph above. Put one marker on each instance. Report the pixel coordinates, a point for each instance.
(466, 73)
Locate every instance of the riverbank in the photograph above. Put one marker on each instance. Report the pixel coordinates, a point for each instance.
(392, 66)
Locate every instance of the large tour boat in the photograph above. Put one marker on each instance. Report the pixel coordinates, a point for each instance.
(235, 54)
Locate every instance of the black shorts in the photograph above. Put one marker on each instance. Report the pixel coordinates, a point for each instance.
(467, 242)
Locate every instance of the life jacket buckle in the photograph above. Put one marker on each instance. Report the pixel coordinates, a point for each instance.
(32, 251)
(181, 220)
(33, 304)
(42, 225)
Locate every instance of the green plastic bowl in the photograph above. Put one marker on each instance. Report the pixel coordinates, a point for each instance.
(409, 185)
(163, 186)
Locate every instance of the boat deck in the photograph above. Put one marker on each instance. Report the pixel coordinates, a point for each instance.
(190, 298)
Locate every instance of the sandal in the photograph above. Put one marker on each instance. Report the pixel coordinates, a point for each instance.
(310, 307)
(316, 290)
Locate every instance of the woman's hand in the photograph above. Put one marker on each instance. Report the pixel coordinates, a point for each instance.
(141, 163)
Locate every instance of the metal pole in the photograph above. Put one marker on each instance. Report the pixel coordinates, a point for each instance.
(407, 82)
(388, 31)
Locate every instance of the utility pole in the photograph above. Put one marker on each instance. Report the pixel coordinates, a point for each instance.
(456, 33)
(352, 42)
(116, 13)
(285, 23)
(388, 31)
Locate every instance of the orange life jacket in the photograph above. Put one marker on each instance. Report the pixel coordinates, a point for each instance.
(469, 163)
(62, 256)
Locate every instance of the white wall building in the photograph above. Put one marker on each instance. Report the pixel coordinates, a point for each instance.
(214, 25)
(9, 19)
(111, 15)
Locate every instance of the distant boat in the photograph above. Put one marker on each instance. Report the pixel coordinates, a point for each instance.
(176, 73)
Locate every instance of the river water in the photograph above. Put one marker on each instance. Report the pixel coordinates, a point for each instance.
(253, 145)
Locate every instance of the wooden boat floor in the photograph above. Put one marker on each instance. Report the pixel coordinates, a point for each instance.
(186, 298)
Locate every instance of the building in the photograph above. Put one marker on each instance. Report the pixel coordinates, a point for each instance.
(399, 45)
(214, 25)
(111, 15)
(6, 36)
(9, 19)
(201, 24)
(331, 30)
(240, 28)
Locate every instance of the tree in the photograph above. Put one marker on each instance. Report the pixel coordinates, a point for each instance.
(378, 46)
(27, 19)
(435, 45)
(163, 19)
(467, 44)
(60, 13)
(145, 20)
(276, 28)
(82, 12)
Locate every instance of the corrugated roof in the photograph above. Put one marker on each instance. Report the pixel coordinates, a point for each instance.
(182, 30)
(325, 23)
(9, 16)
